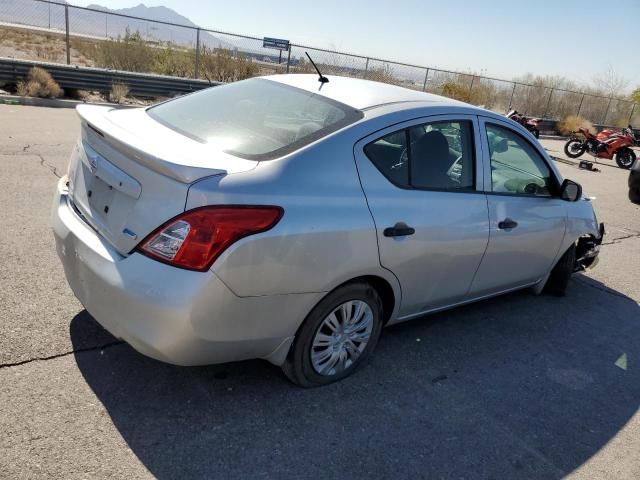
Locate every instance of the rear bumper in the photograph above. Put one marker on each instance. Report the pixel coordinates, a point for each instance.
(173, 315)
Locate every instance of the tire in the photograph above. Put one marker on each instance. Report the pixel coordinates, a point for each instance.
(634, 195)
(572, 150)
(301, 369)
(536, 133)
(561, 273)
(625, 158)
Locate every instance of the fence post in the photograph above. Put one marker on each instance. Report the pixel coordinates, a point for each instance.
(66, 23)
(288, 58)
(606, 112)
(548, 103)
(511, 99)
(631, 114)
(580, 106)
(197, 69)
(366, 68)
(426, 76)
(473, 77)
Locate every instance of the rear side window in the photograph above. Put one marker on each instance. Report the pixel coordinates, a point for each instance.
(256, 119)
(432, 156)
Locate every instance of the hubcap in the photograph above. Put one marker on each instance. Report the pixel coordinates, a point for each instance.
(341, 337)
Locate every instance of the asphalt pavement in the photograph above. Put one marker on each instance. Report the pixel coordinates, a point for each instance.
(513, 387)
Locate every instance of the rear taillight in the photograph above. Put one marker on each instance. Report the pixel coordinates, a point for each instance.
(194, 239)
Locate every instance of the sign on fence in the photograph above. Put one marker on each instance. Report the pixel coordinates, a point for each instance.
(276, 43)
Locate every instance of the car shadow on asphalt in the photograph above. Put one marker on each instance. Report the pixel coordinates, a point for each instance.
(516, 386)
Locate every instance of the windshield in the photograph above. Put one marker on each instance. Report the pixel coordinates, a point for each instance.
(256, 119)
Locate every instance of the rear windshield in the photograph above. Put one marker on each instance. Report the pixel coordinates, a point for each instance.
(256, 119)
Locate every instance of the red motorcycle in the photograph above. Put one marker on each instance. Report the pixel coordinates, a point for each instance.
(530, 123)
(606, 144)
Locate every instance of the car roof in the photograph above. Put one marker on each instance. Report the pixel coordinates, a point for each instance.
(361, 94)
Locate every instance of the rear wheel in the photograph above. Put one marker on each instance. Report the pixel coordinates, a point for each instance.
(561, 273)
(625, 158)
(336, 337)
(574, 148)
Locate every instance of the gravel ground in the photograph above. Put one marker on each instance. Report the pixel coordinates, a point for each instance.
(514, 387)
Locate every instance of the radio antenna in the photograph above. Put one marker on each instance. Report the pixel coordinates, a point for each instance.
(322, 78)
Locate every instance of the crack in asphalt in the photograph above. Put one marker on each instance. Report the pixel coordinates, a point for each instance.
(620, 239)
(59, 355)
(43, 162)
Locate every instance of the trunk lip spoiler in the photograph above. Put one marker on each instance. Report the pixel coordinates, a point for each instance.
(96, 121)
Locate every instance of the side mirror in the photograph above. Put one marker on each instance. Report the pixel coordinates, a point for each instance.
(570, 190)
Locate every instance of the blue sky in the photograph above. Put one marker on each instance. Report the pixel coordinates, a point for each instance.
(501, 38)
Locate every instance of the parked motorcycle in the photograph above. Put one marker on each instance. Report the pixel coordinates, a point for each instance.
(530, 123)
(604, 145)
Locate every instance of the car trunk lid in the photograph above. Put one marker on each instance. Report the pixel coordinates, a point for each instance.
(129, 174)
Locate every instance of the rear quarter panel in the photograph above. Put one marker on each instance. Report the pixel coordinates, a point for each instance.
(326, 235)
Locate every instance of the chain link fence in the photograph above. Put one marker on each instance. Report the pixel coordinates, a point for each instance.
(48, 30)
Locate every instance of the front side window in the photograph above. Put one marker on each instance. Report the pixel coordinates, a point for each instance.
(256, 119)
(516, 167)
(432, 156)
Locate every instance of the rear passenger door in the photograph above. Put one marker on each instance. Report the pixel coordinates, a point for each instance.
(527, 217)
(424, 188)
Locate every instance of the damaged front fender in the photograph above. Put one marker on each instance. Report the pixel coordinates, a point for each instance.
(587, 250)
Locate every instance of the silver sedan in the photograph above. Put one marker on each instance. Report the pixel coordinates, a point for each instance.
(289, 219)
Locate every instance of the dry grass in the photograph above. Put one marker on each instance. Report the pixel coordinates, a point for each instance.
(40, 83)
(49, 52)
(572, 123)
(384, 74)
(220, 65)
(119, 92)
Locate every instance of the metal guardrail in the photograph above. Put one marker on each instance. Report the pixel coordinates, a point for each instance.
(98, 79)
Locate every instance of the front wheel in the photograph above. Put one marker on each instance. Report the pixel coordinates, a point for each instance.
(574, 148)
(561, 273)
(336, 337)
(536, 133)
(625, 158)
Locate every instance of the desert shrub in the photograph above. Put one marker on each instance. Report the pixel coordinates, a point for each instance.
(457, 91)
(119, 92)
(39, 83)
(174, 61)
(572, 123)
(219, 65)
(384, 74)
(130, 53)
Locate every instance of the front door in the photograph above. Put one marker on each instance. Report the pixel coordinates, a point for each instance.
(527, 218)
(424, 189)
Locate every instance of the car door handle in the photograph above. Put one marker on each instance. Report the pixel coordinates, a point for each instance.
(400, 229)
(507, 224)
